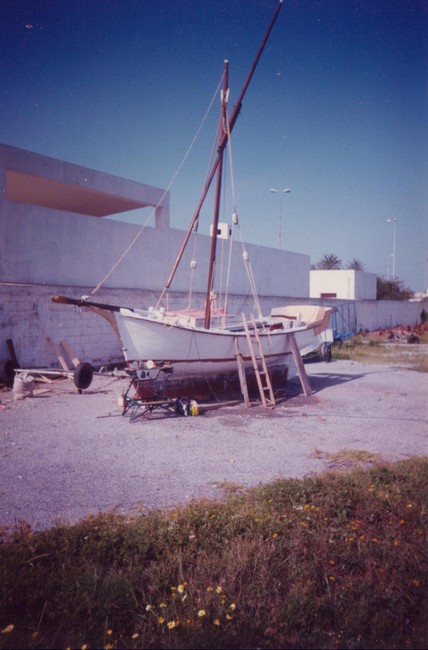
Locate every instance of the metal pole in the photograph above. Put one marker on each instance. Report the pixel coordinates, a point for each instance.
(280, 192)
(393, 221)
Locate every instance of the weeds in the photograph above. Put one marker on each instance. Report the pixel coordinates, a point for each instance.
(333, 561)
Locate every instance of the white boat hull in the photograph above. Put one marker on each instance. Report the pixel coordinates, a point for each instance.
(194, 351)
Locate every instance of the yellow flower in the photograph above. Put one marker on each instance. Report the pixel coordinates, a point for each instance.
(162, 605)
(374, 540)
(135, 635)
(109, 646)
(219, 589)
(180, 589)
(229, 617)
(307, 506)
(161, 620)
(109, 632)
(171, 625)
(148, 608)
(210, 588)
(232, 606)
(275, 536)
(402, 522)
(202, 613)
(84, 646)
(396, 542)
(216, 621)
(332, 562)
(7, 629)
(415, 583)
(362, 538)
(331, 578)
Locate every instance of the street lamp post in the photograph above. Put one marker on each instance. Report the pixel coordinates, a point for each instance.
(280, 193)
(393, 221)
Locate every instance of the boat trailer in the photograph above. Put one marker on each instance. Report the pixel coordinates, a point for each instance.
(147, 393)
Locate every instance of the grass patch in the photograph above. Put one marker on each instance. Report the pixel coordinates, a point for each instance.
(332, 561)
(375, 350)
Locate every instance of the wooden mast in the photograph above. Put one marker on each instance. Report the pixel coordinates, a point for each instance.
(222, 145)
(211, 269)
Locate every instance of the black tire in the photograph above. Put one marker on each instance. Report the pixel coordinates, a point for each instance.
(83, 375)
(7, 372)
(413, 339)
(326, 352)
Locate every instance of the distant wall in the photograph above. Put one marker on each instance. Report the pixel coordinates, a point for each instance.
(372, 314)
(380, 314)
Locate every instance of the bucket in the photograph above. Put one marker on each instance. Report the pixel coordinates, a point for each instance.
(23, 386)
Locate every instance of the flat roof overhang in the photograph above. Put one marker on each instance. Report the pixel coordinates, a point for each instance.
(39, 190)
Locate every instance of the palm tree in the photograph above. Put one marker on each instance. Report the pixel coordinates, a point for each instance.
(329, 262)
(355, 265)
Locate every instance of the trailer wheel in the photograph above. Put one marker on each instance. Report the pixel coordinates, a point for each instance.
(7, 372)
(413, 339)
(326, 352)
(83, 375)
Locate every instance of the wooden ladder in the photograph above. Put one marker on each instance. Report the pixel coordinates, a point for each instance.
(258, 358)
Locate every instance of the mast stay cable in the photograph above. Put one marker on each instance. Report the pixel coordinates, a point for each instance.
(171, 183)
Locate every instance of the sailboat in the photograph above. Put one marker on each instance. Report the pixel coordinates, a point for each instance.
(205, 344)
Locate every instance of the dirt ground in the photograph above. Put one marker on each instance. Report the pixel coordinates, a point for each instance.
(65, 455)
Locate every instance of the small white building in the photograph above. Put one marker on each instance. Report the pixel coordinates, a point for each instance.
(343, 284)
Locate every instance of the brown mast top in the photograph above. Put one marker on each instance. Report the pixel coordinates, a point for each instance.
(218, 162)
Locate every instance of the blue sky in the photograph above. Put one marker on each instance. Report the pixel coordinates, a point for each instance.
(337, 111)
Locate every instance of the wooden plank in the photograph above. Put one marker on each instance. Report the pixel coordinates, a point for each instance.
(12, 352)
(68, 349)
(58, 353)
(300, 366)
(241, 373)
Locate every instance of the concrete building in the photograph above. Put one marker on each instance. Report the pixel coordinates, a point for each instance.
(343, 284)
(55, 238)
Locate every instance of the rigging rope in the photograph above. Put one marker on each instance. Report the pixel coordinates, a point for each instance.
(235, 222)
(172, 181)
(196, 225)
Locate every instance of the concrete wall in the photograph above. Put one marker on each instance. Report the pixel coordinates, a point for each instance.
(372, 314)
(346, 284)
(380, 314)
(28, 317)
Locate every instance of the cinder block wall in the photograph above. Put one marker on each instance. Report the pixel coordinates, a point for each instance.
(28, 317)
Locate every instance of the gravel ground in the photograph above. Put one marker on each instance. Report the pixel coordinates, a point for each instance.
(66, 455)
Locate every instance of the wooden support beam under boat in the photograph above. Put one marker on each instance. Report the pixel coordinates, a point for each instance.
(300, 366)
